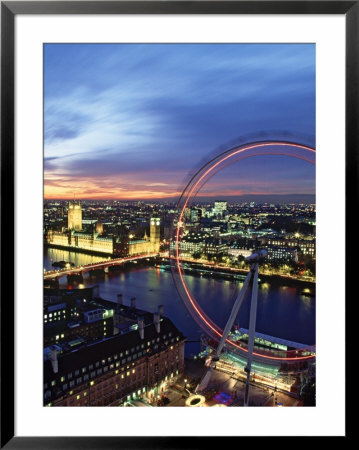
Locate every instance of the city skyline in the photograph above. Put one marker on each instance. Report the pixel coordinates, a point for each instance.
(130, 121)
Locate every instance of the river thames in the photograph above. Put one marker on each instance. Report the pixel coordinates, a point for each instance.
(282, 310)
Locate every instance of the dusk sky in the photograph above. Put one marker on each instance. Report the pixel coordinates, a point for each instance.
(130, 121)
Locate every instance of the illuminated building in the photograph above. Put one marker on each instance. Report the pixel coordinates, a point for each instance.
(192, 243)
(121, 368)
(95, 243)
(74, 216)
(219, 207)
(236, 252)
(306, 246)
(147, 244)
(155, 233)
(75, 314)
(95, 323)
(196, 214)
(81, 241)
(188, 248)
(99, 227)
(214, 247)
(282, 254)
(247, 220)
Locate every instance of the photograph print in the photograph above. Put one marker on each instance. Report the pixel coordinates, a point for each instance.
(179, 225)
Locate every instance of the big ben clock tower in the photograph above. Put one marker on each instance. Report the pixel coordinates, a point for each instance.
(74, 217)
(155, 233)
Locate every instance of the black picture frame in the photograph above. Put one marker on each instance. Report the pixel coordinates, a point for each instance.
(9, 9)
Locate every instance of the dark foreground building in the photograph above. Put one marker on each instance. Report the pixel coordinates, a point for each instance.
(136, 363)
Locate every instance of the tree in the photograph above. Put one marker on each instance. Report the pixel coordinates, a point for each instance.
(219, 257)
(307, 394)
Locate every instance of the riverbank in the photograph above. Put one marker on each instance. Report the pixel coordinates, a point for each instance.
(204, 269)
(275, 279)
(79, 250)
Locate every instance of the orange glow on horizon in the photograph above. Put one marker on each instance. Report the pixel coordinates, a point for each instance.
(103, 194)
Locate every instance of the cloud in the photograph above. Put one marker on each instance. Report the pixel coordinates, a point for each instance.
(149, 113)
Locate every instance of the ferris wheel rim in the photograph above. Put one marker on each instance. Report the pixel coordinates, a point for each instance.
(192, 187)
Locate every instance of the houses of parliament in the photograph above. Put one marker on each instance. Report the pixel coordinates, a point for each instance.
(74, 238)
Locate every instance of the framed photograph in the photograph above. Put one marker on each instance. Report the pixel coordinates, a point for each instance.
(176, 178)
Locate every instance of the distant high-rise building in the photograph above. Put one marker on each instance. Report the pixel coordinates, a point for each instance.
(196, 214)
(74, 217)
(219, 208)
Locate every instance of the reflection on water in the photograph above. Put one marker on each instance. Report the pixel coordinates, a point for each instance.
(79, 259)
(282, 311)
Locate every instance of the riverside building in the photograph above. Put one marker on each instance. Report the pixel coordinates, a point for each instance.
(94, 242)
(138, 362)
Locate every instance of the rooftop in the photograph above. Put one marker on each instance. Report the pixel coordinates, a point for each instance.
(86, 352)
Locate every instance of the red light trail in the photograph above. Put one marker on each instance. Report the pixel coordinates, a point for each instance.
(192, 187)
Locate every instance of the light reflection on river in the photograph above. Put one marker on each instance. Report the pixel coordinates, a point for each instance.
(282, 310)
